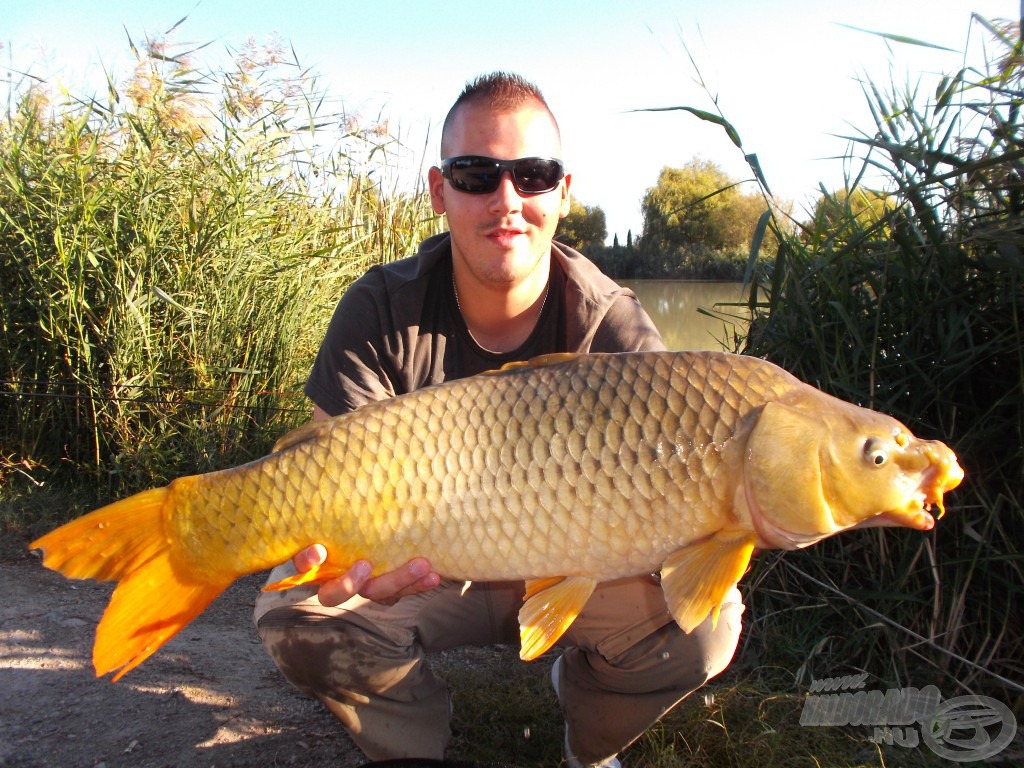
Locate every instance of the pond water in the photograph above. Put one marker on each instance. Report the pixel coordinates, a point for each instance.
(673, 306)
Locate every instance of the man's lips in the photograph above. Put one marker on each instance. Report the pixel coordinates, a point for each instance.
(504, 234)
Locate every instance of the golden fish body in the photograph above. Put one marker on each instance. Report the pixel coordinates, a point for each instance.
(598, 467)
(565, 472)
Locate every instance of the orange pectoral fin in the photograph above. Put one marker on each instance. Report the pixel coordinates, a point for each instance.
(697, 578)
(551, 606)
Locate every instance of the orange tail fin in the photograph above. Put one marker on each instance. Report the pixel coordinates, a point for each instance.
(157, 593)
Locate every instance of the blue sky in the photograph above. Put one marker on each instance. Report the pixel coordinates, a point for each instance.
(784, 72)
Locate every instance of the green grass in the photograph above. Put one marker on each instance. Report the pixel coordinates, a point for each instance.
(505, 710)
(916, 311)
(907, 298)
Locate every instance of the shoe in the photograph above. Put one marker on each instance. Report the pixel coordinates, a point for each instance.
(570, 759)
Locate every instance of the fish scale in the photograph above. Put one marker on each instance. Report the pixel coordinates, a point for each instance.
(564, 472)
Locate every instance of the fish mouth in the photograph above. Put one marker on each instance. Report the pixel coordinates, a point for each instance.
(916, 514)
(944, 474)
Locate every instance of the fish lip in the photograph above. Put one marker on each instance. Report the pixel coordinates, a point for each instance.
(915, 514)
(944, 475)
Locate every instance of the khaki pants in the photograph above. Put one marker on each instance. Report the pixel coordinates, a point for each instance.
(625, 664)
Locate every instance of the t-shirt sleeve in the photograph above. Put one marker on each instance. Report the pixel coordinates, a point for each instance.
(352, 367)
(626, 327)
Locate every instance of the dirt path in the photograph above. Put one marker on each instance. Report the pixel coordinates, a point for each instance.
(211, 697)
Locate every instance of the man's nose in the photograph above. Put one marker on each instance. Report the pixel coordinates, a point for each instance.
(506, 195)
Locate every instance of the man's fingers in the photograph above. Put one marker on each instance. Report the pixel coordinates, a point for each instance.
(337, 591)
(413, 577)
(308, 557)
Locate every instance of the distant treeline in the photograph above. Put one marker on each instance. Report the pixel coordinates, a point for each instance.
(625, 262)
(698, 224)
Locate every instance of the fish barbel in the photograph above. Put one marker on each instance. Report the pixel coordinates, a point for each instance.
(564, 472)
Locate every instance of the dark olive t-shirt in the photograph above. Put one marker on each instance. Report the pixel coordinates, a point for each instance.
(398, 328)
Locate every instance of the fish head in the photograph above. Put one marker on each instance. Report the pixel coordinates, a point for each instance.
(823, 466)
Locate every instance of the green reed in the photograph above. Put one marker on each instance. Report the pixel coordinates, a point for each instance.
(914, 307)
(171, 257)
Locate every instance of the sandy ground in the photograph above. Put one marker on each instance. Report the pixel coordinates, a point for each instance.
(211, 697)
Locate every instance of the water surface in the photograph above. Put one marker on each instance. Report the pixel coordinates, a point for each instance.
(673, 305)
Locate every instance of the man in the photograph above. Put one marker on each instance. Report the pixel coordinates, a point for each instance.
(493, 290)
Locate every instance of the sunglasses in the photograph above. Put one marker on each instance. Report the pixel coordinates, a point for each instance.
(478, 175)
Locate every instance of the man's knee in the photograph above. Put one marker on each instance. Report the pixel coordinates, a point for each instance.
(324, 654)
(672, 659)
(707, 651)
(723, 638)
(304, 647)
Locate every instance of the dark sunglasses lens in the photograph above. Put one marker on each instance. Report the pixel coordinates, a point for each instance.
(475, 175)
(534, 175)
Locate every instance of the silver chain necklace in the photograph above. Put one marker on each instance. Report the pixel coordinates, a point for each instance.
(455, 290)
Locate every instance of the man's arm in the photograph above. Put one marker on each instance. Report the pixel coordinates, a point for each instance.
(626, 327)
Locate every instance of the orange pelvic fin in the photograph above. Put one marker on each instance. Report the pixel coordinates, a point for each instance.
(551, 606)
(157, 594)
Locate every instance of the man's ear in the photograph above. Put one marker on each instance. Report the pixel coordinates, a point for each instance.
(435, 182)
(565, 196)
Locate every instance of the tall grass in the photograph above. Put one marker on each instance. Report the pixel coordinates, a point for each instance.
(906, 295)
(170, 257)
(916, 308)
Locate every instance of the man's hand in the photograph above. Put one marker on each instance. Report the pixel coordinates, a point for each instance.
(413, 577)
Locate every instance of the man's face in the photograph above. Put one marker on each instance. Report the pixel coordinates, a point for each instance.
(502, 236)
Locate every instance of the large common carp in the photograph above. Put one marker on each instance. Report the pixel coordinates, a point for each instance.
(564, 471)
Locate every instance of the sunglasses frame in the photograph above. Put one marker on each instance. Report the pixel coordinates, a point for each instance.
(500, 166)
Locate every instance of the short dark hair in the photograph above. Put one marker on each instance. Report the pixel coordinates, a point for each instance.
(499, 91)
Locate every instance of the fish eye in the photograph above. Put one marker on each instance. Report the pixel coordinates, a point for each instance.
(875, 453)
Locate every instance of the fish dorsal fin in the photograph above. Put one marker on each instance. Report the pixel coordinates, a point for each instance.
(553, 358)
(551, 606)
(540, 361)
(697, 578)
(300, 435)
